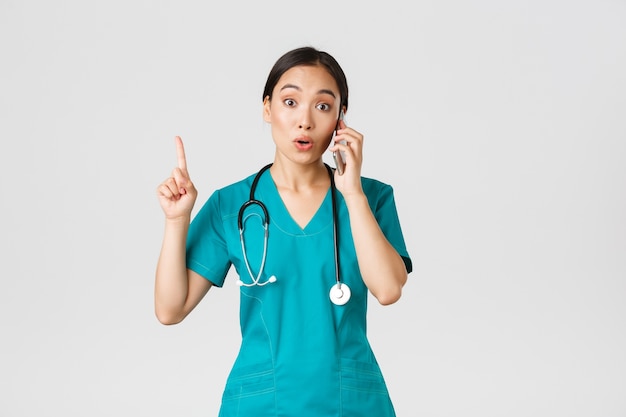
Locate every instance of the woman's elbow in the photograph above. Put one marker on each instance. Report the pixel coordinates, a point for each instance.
(389, 297)
(168, 318)
(391, 293)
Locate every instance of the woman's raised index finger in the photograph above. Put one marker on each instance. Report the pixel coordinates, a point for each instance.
(180, 152)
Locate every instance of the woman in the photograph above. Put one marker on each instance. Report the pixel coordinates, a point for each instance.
(304, 281)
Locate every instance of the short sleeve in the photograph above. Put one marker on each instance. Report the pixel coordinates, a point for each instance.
(386, 214)
(207, 251)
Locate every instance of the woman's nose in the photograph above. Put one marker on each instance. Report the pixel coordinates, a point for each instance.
(305, 121)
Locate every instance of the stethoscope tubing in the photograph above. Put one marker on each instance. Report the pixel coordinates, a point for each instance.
(340, 293)
(335, 223)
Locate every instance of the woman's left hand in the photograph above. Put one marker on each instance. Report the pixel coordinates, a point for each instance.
(350, 143)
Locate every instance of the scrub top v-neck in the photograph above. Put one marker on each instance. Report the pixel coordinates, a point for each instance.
(300, 355)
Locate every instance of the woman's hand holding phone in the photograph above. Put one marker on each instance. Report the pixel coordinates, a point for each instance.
(347, 151)
(338, 156)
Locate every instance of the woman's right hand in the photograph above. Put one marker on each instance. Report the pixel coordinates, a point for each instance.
(177, 194)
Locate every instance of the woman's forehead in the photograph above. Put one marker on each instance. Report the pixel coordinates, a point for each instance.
(307, 77)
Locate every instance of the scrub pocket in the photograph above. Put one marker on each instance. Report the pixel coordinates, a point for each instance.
(250, 391)
(363, 390)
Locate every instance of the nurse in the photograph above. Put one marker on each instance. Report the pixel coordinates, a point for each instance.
(308, 244)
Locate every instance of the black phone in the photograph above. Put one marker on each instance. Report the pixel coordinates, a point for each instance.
(339, 157)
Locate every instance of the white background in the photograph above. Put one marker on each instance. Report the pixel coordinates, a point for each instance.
(501, 126)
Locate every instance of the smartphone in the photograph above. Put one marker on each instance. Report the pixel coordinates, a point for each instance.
(338, 156)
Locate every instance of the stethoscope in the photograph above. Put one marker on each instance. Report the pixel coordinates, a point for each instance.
(339, 292)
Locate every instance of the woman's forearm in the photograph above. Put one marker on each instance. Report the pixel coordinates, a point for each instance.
(171, 281)
(382, 268)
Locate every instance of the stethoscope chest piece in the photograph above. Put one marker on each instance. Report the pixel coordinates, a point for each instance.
(340, 294)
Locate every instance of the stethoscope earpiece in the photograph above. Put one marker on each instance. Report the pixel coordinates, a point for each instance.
(271, 280)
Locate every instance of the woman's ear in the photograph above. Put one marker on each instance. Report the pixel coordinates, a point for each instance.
(267, 109)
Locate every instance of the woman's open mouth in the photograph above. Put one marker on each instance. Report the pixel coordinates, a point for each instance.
(303, 144)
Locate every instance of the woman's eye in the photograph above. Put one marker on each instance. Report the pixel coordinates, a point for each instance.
(323, 107)
(290, 102)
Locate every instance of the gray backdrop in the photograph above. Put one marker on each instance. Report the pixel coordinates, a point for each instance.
(499, 124)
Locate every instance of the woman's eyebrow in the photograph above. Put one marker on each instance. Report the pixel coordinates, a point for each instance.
(322, 91)
(325, 91)
(286, 86)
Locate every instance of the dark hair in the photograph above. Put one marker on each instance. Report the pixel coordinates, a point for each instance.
(307, 56)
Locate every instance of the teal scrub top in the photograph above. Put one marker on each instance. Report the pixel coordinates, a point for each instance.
(300, 355)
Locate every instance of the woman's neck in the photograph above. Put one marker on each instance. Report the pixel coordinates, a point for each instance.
(293, 176)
